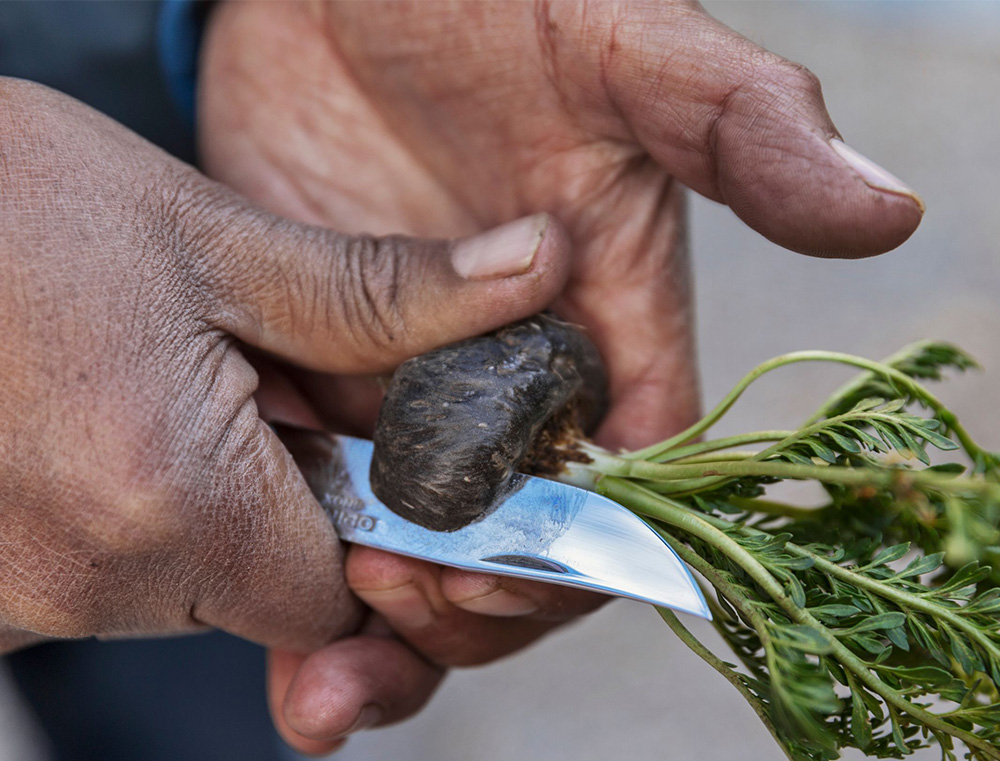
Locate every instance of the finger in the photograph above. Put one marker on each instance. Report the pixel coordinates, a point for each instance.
(282, 666)
(352, 685)
(278, 398)
(748, 128)
(260, 557)
(409, 594)
(358, 304)
(631, 289)
(502, 596)
(343, 403)
(284, 587)
(215, 527)
(338, 403)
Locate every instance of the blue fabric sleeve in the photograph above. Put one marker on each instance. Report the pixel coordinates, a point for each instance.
(178, 40)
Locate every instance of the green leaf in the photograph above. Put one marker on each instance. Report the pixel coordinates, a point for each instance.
(833, 612)
(795, 591)
(866, 405)
(821, 450)
(987, 604)
(897, 636)
(800, 637)
(878, 622)
(963, 580)
(967, 658)
(914, 446)
(893, 405)
(874, 706)
(872, 644)
(889, 436)
(947, 468)
(846, 443)
(941, 442)
(794, 563)
(920, 566)
(795, 457)
(890, 554)
(928, 641)
(897, 733)
(931, 676)
(872, 443)
(861, 725)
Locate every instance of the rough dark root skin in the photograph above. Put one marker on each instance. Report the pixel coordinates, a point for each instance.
(457, 423)
(557, 443)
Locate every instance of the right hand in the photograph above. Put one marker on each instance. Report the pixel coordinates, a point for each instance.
(440, 117)
(140, 490)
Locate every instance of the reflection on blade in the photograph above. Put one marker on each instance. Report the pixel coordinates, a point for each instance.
(526, 561)
(546, 531)
(604, 547)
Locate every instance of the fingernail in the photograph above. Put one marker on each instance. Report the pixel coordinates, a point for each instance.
(501, 252)
(874, 176)
(406, 606)
(370, 716)
(499, 602)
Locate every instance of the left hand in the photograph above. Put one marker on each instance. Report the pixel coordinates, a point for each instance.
(442, 119)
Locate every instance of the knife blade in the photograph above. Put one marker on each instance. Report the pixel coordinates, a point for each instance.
(544, 530)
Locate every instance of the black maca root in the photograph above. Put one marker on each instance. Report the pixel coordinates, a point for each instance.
(458, 422)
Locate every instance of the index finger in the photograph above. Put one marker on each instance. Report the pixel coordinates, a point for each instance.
(456, 618)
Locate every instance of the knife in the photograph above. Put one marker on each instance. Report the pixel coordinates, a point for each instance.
(544, 530)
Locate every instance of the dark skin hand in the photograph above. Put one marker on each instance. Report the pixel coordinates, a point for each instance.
(141, 492)
(438, 118)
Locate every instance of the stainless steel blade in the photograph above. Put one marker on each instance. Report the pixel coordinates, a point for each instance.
(545, 530)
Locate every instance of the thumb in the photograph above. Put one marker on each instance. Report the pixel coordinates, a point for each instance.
(361, 304)
(749, 128)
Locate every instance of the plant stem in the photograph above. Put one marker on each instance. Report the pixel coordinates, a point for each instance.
(750, 615)
(754, 504)
(885, 478)
(900, 597)
(728, 442)
(731, 676)
(879, 368)
(714, 457)
(660, 508)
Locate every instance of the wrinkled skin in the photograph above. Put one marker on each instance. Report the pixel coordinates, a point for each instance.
(140, 491)
(443, 118)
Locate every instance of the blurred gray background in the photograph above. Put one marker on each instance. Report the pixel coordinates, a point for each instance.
(913, 85)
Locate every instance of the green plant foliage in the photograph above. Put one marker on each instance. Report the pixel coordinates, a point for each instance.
(872, 621)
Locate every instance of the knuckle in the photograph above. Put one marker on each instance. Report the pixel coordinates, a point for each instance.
(20, 101)
(367, 283)
(768, 85)
(198, 240)
(192, 448)
(789, 78)
(179, 217)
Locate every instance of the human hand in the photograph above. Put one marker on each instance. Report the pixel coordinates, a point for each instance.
(141, 491)
(438, 118)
